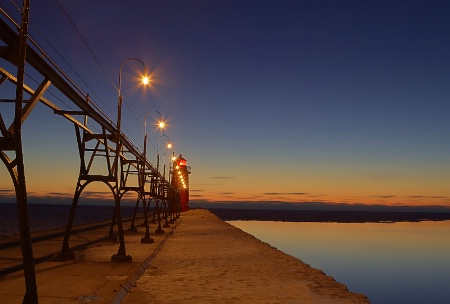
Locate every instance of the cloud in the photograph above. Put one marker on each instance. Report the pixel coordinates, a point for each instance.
(427, 197)
(93, 193)
(196, 190)
(379, 175)
(383, 196)
(222, 177)
(7, 193)
(316, 205)
(57, 194)
(225, 193)
(284, 193)
(6, 190)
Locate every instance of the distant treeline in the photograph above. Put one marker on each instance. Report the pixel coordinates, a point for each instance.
(327, 216)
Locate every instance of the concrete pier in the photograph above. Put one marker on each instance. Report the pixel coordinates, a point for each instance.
(201, 259)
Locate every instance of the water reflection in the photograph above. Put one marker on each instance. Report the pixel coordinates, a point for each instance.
(389, 262)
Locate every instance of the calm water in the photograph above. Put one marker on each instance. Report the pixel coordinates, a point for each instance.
(390, 263)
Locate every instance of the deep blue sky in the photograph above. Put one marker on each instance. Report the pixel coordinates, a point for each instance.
(329, 101)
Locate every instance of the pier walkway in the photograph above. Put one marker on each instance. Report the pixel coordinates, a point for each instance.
(201, 259)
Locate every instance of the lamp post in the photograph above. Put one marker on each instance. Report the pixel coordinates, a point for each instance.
(146, 238)
(168, 196)
(172, 205)
(161, 125)
(169, 146)
(145, 81)
(121, 254)
(167, 184)
(159, 230)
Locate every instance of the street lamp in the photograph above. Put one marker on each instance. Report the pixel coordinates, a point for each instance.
(161, 125)
(147, 238)
(159, 230)
(169, 146)
(121, 254)
(145, 80)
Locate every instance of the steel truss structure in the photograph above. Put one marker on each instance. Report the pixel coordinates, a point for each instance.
(124, 167)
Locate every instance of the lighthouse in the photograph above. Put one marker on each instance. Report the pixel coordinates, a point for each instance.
(181, 175)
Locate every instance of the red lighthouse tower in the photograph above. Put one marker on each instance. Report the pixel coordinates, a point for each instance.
(181, 173)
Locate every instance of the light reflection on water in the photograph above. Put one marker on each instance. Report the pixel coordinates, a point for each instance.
(388, 262)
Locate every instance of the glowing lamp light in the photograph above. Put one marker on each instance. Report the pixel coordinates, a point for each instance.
(145, 80)
(181, 161)
(169, 146)
(161, 125)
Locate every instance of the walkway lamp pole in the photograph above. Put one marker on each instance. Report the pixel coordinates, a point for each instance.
(121, 254)
(159, 230)
(169, 146)
(145, 80)
(161, 125)
(168, 197)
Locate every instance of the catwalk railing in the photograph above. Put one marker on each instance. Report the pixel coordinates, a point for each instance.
(124, 168)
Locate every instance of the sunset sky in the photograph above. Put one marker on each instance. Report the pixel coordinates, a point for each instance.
(281, 101)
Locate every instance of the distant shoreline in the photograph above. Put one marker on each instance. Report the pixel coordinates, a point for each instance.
(327, 216)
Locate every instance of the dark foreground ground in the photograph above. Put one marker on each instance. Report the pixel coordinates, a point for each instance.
(327, 216)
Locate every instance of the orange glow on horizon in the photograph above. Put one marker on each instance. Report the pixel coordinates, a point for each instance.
(295, 198)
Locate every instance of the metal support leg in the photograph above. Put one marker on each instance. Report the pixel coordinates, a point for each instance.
(27, 250)
(65, 254)
(133, 228)
(111, 235)
(121, 255)
(158, 213)
(171, 211)
(146, 239)
(155, 211)
(166, 215)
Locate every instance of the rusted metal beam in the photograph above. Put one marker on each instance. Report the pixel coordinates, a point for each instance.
(98, 178)
(2, 100)
(62, 112)
(3, 127)
(3, 79)
(89, 137)
(7, 144)
(33, 101)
